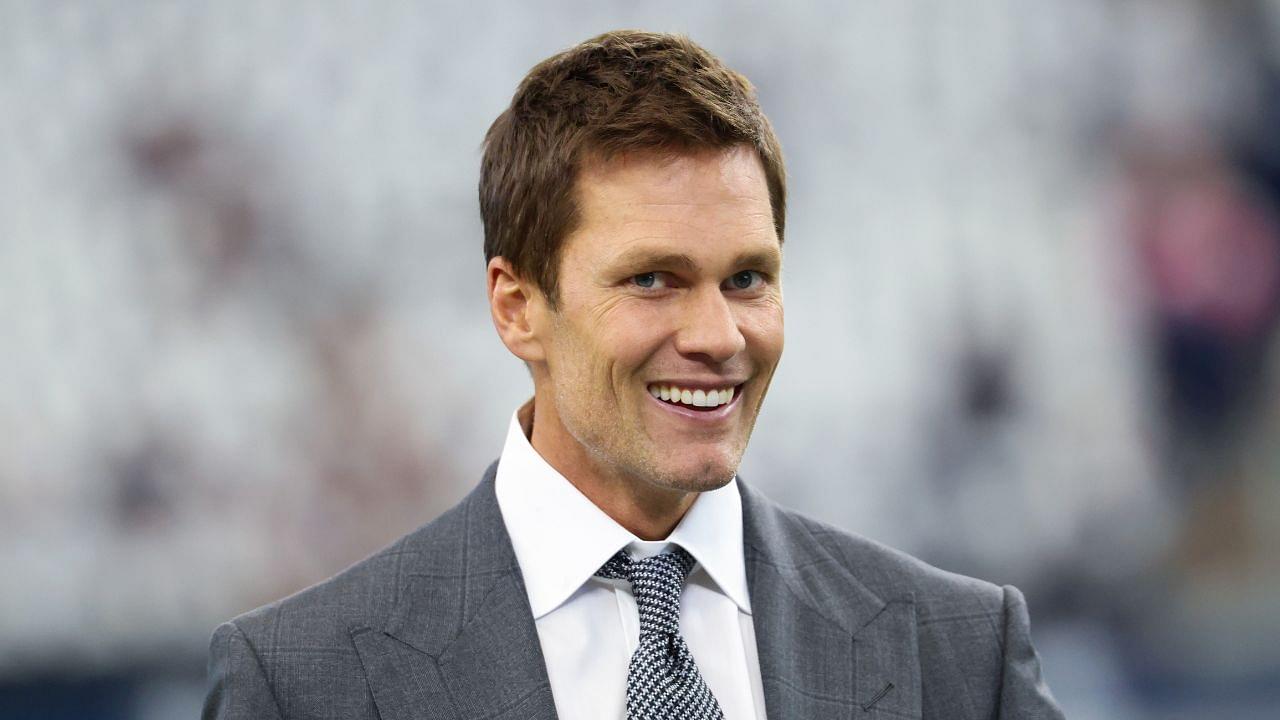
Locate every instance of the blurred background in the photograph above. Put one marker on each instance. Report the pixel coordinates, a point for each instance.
(1032, 281)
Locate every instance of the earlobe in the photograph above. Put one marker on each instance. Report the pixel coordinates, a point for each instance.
(511, 303)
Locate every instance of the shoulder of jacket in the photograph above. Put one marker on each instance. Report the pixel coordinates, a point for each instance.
(361, 595)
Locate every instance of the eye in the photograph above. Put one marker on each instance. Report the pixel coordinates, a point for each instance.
(651, 280)
(745, 280)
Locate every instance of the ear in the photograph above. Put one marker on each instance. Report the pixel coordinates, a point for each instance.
(513, 302)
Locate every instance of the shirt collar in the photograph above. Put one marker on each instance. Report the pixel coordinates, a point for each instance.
(561, 538)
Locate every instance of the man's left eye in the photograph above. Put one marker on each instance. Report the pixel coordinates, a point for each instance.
(744, 280)
(645, 280)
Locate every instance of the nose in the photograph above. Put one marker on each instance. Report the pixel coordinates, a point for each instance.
(709, 330)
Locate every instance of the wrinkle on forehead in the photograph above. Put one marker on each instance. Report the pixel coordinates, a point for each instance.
(673, 204)
(666, 176)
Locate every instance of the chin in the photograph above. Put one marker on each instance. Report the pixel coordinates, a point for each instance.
(705, 476)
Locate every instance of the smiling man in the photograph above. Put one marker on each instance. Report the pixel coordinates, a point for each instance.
(611, 564)
(652, 358)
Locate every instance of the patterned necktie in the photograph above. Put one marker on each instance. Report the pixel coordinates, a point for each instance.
(663, 683)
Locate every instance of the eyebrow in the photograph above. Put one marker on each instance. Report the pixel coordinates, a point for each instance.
(656, 259)
(768, 260)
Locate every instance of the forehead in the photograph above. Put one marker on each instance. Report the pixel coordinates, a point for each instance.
(707, 200)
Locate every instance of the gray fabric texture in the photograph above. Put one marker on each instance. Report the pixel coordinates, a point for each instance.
(438, 626)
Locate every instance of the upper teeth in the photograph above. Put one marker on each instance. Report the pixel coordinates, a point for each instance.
(696, 398)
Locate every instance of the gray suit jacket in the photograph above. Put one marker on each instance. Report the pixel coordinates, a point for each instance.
(438, 626)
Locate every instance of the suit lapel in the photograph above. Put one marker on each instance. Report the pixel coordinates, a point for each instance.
(495, 667)
(827, 645)
(460, 641)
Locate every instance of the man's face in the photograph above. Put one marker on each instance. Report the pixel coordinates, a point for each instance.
(669, 325)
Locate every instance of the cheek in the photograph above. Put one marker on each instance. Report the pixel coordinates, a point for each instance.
(762, 326)
(571, 352)
(631, 333)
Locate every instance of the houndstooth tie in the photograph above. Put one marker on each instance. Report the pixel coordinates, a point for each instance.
(663, 683)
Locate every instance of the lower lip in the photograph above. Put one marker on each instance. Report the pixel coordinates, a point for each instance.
(706, 416)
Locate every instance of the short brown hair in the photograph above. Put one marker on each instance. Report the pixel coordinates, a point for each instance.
(620, 92)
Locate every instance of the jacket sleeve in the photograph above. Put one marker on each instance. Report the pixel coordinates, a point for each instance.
(1023, 692)
(238, 686)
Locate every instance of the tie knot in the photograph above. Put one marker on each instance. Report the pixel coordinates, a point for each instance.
(671, 566)
(656, 583)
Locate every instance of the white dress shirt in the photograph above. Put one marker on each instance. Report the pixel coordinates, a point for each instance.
(588, 627)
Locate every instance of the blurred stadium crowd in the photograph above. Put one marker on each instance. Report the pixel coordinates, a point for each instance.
(1033, 279)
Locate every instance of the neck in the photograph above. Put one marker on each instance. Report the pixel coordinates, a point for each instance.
(648, 511)
(648, 514)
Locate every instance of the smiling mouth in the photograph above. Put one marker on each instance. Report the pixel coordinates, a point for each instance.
(702, 399)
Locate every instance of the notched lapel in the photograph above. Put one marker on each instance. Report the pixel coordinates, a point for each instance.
(494, 669)
(828, 646)
(806, 660)
(461, 631)
(403, 680)
(887, 664)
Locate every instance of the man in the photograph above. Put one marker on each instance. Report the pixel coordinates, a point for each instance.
(610, 564)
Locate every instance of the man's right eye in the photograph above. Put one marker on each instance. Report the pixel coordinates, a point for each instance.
(645, 280)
